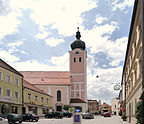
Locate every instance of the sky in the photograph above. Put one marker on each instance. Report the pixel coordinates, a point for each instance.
(35, 35)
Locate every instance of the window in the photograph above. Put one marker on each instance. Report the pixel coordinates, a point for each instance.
(58, 95)
(42, 99)
(8, 78)
(0, 75)
(47, 100)
(74, 59)
(16, 81)
(8, 92)
(36, 98)
(16, 95)
(79, 59)
(30, 108)
(29, 95)
(0, 91)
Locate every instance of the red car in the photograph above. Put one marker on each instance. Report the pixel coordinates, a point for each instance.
(106, 114)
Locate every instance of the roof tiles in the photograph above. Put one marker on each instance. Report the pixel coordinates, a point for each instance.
(47, 77)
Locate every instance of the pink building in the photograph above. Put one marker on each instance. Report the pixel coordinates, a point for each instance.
(67, 88)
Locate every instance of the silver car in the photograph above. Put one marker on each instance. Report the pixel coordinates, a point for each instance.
(3, 121)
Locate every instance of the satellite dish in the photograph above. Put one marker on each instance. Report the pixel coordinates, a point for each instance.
(117, 87)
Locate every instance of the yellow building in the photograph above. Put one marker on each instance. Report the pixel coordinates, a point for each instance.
(36, 100)
(10, 89)
(132, 77)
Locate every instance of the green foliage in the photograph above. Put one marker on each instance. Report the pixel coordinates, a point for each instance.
(106, 106)
(139, 113)
(66, 107)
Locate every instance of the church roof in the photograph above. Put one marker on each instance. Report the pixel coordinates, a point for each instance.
(47, 77)
(34, 88)
(8, 67)
(77, 100)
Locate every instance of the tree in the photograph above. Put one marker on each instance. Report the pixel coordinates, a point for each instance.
(139, 113)
(66, 107)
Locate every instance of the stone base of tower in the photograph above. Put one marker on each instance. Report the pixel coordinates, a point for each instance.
(79, 103)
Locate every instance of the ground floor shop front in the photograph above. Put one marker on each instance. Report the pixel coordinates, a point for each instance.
(10, 108)
(36, 109)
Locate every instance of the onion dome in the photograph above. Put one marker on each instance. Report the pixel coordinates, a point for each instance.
(78, 43)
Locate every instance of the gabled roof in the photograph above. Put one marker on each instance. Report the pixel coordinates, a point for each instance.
(8, 67)
(77, 100)
(34, 88)
(47, 77)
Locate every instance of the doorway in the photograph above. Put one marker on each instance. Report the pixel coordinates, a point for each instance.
(58, 108)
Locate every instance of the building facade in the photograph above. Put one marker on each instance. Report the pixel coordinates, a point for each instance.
(11, 95)
(56, 84)
(132, 81)
(35, 100)
(66, 87)
(115, 106)
(93, 106)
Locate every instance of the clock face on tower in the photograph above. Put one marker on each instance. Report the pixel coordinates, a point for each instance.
(77, 52)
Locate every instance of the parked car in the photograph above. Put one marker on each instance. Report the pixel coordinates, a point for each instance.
(87, 116)
(14, 118)
(4, 115)
(95, 113)
(54, 115)
(67, 114)
(106, 114)
(30, 117)
(3, 121)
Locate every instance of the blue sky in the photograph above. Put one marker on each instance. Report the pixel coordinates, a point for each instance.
(36, 35)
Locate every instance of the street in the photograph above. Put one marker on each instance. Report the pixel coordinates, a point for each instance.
(97, 120)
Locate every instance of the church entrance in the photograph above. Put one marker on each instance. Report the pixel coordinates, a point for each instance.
(58, 108)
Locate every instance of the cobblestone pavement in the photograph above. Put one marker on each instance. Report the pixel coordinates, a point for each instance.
(97, 120)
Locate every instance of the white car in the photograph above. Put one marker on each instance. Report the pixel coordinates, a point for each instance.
(3, 121)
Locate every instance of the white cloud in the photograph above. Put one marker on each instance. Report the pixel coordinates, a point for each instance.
(53, 42)
(9, 24)
(62, 15)
(61, 60)
(23, 52)
(116, 50)
(99, 87)
(100, 19)
(60, 63)
(34, 65)
(97, 38)
(42, 35)
(117, 4)
(8, 56)
(15, 44)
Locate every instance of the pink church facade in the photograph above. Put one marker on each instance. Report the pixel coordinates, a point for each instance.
(66, 87)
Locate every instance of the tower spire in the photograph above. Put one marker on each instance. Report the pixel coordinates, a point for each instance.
(78, 34)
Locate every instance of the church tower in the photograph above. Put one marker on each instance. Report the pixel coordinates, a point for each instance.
(78, 69)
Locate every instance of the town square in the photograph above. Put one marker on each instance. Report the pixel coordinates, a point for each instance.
(72, 62)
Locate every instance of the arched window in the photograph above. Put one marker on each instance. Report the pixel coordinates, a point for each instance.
(74, 59)
(58, 95)
(79, 59)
